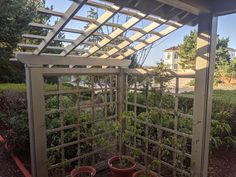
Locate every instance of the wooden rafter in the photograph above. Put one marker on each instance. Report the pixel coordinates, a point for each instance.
(152, 40)
(108, 14)
(53, 59)
(135, 37)
(126, 26)
(75, 6)
(119, 51)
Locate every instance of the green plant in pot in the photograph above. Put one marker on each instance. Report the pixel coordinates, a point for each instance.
(147, 172)
(120, 165)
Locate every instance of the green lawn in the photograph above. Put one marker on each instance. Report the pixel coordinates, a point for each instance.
(12, 87)
(22, 87)
(225, 96)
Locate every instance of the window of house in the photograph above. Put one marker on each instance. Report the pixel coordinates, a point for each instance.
(168, 55)
(175, 66)
(176, 55)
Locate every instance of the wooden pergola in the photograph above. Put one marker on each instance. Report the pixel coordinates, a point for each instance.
(111, 53)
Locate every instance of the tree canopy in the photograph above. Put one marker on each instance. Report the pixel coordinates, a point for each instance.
(187, 50)
(14, 18)
(225, 69)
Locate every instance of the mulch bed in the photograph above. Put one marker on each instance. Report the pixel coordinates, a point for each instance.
(223, 164)
(8, 167)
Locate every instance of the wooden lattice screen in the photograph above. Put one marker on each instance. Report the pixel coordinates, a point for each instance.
(162, 122)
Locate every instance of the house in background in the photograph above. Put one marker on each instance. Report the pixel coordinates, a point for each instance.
(171, 58)
(232, 53)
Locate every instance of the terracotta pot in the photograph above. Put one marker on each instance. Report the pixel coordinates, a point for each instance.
(124, 172)
(83, 169)
(141, 172)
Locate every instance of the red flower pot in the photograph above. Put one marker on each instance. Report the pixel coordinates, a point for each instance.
(121, 172)
(142, 172)
(83, 169)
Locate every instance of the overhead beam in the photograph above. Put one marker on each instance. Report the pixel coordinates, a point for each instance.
(224, 7)
(116, 33)
(77, 31)
(46, 59)
(191, 6)
(137, 36)
(155, 38)
(72, 10)
(108, 14)
(58, 48)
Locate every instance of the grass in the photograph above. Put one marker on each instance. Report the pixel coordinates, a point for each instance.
(22, 87)
(224, 96)
(12, 87)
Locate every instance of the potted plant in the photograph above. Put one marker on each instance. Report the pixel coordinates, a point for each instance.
(147, 172)
(120, 165)
(82, 171)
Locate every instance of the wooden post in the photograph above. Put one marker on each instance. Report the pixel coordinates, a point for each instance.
(121, 89)
(36, 114)
(205, 64)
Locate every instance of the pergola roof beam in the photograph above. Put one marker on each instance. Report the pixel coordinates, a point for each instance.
(152, 39)
(32, 36)
(34, 46)
(107, 15)
(133, 13)
(71, 11)
(136, 37)
(47, 59)
(224, 7)
(90, 20)
(116, 33)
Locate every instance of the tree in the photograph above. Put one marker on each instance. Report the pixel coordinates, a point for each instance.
(222, 53)
(187, 50)
(14, 18)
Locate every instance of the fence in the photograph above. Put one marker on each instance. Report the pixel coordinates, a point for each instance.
(73, 113)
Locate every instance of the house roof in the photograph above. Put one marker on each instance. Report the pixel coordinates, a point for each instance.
(174, 48)
(231, 49)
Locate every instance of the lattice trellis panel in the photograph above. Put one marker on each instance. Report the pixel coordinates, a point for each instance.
(80, 111)
(162, 123)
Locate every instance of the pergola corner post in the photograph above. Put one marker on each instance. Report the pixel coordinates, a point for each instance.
(205, 64)
(36, 114)
(121, 101)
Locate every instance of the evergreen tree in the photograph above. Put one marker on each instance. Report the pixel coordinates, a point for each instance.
(187, 50)
(14, 18)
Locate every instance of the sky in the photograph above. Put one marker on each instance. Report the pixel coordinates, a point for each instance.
(226, 28)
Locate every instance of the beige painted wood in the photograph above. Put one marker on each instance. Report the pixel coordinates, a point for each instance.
(29, 58)
(86, 19)
(75, 6)
(127, 25)
(37, 127)
(113, 35)
(33, 46)
(91, 29)
(150, 40)
(224, 8)
(205, 64)
(32, 36)
(133, 38)
(191, 6)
